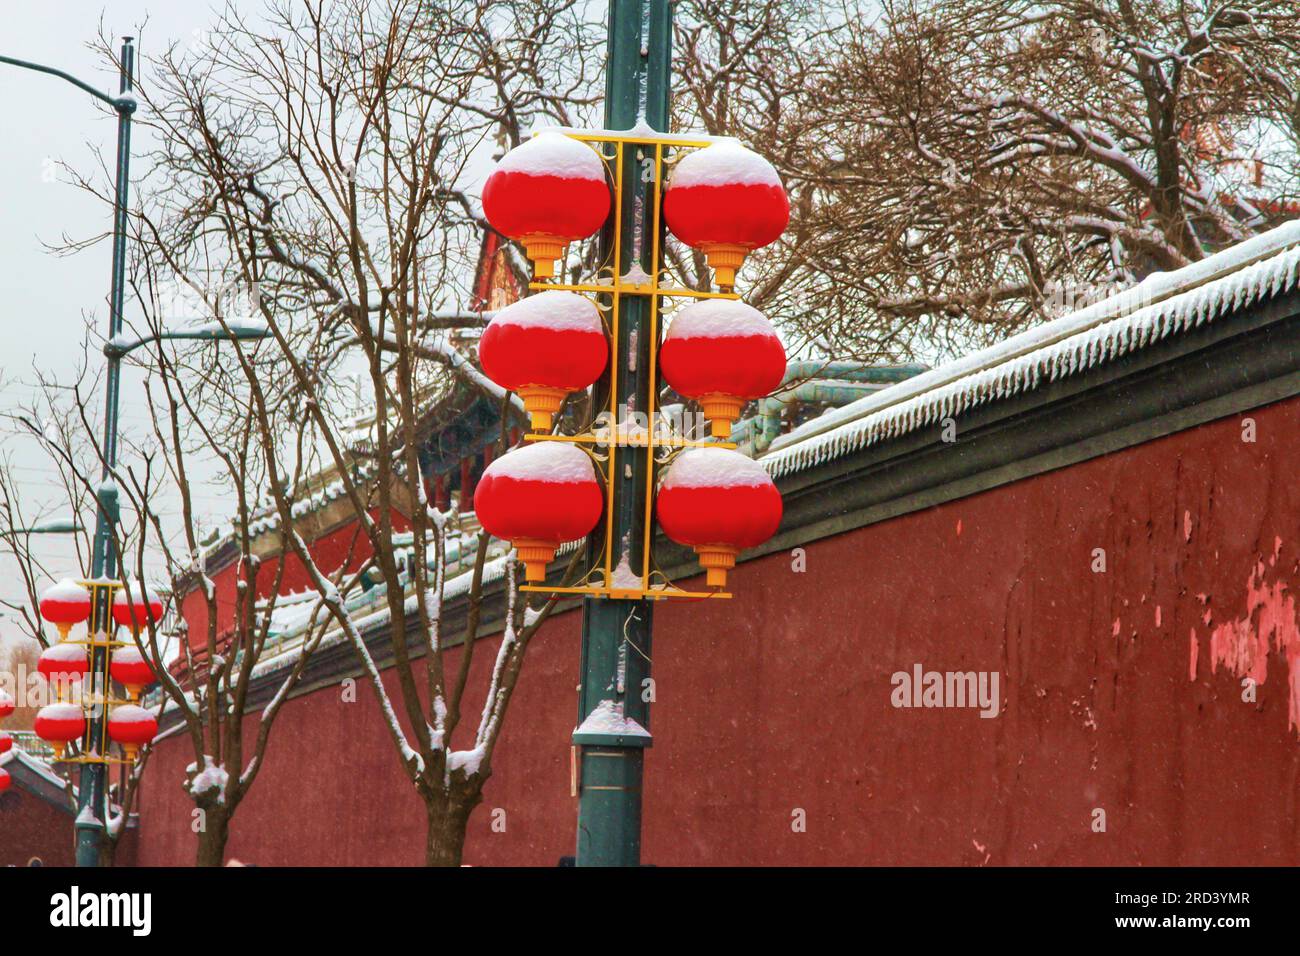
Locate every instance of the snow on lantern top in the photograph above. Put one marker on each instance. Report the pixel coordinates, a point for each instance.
(546, 193)
(714, 468)
(722, 353)
(135, 605)
(65, 603)
(538, 497)
(63, 661)
(129, 668)
(719, 502)
(544, 347)
(6, 703)
(131, 726)
(726, 201)
(59, 724)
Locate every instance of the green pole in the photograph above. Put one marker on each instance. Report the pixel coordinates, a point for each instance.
(94, 776)
(615, 633)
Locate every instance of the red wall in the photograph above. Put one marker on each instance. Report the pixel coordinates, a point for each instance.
(1121, 691)
(347, 543)
(31, 827)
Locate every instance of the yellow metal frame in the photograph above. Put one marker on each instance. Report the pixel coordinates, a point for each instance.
(103, 700)
(616, 288)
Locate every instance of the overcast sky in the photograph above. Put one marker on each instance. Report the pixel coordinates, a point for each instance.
(46, 300)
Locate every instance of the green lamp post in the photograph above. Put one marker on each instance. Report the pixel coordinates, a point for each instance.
(616, 634)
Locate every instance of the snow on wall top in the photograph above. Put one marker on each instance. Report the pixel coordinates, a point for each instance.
(719, 318)
(548, 461)
(723, 164)
(553, 154)
(1162, 305)
(553, 309)
(35, 764)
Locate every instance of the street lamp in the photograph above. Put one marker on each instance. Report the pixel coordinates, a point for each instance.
(57, 526)
(121, 345)
(90, 794)
(723, 200)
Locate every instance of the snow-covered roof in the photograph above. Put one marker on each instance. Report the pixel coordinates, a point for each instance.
(35, 764)
(1162, 305)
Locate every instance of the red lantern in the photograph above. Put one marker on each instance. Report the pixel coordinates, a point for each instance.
(546, 193)
(722, 353)
(65, 604)
(544, 347)
(719, 502)
(132, 727)
(129, 668)
(4, 780)
(62, 664)
(6, 742)
(135, 605)
(537, 497)
(726, 201)
(6, 704)
(60, 724)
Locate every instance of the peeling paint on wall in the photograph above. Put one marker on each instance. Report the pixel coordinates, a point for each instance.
(1242, 645)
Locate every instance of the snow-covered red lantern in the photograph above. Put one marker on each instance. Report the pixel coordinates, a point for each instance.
(65, 604)
(60, 724)
(546, 193)
(135, 606)
(132, 727)
(538, 497)
(719, 502)
(726, 201)
(7, 704)
(62, 664)
(722, 353)
(544, 347)
(6, 742)
(128, 667)
(4, 780)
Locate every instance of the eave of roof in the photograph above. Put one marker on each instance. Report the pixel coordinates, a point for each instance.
(1162, 305)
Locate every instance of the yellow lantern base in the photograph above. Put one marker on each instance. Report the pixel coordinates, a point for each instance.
(717, 560)
(536, 555)
(542, 402)
(543, 251)
(724, 259)
(721, 410)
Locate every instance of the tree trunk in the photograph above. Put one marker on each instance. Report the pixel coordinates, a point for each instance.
(445, 842)
(213, 836)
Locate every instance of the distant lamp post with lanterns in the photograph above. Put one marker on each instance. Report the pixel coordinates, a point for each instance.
(96, 716)
(92, 789)
(724, 200)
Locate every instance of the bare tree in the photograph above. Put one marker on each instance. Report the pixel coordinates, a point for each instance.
(972, 161)
(154, 542)
(321, 159)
